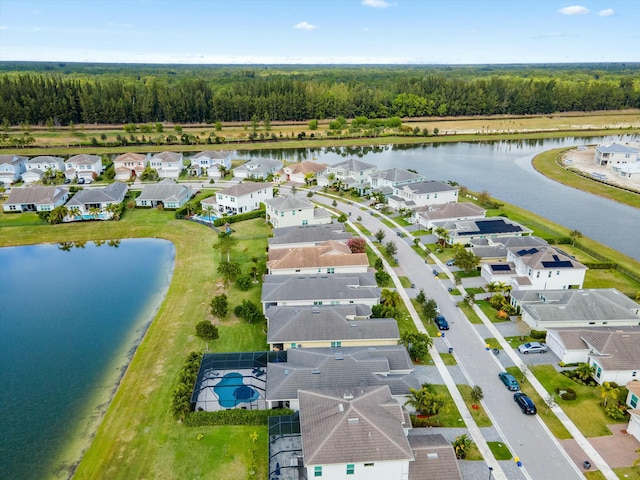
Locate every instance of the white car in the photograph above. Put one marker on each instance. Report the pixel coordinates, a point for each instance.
(379, 206)
(533, 347)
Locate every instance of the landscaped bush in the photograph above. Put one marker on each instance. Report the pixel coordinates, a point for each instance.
(600, 265)
(617, 411)
(219, 222)
(538, 334)
(234, 417)
(567, 393)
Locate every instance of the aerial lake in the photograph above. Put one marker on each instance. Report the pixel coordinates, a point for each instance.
(71, 316)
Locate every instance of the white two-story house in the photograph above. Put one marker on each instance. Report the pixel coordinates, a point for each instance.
(83, 166)
(420, 194)
(258, 168)
(290, 211)
(37, 167)
(241, 198)
(129, 165)
(349, 174)
(610, 154)
(209, 162)
(167, 164)
(11, 168)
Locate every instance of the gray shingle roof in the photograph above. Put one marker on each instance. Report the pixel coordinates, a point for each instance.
(12, 159)
(45, 159)
(396, 175)
(35, 195)
(214, 154)
(434, 458)
(313, 368)
(429, 186)
(259, 166)
(600, 304)
(244, 188)
(83, 159)
(353, 165)
(342, 426)
(309, 234)
(112, 193)
(166, 190)
(167, 156)
(278, 288)
(450, 211)
(616, 148)
(545, 257)
(327, 323)
(289, 202)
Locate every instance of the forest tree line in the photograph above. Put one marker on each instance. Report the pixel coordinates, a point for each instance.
(45, 96)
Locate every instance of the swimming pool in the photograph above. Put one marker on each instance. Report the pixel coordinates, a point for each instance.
(232, 391)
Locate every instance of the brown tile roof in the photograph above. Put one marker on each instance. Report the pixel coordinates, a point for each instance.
(634, 387)
(434, 458)
(305, 167)
(352, 426)
(138, 157)
(327, 254)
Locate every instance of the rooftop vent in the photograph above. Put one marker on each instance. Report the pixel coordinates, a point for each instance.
(347, 396)
(340, 408)
(316, 372)
(432, 456)
(353, 420)
(339, 357)
(286, 372)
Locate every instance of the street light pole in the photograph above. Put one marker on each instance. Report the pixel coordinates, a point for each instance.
(490, 472)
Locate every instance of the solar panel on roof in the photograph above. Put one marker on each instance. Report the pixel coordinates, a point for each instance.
(558, 264)
(500, 268)
(493, 226)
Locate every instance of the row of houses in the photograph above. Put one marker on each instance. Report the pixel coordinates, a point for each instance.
(341, 371)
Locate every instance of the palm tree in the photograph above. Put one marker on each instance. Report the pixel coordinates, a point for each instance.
(418, 399)
(225, 244)
(608, 392)
(390, 298)
(57, 214)
(95, 212)
(209, 211)
(461, 445)
(585, 371)
(112, 209)
(442, 234)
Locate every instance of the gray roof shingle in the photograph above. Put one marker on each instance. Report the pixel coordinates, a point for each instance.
(112, 193)
(320, 287)
(309, 234)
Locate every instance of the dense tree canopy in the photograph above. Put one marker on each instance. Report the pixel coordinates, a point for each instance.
(59, 94)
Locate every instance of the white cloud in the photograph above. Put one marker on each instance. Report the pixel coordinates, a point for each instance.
(3, 27)
(551, 35)
(121, 25)
(606, 13)
(377, 3)
(574, 10)
(305, 26)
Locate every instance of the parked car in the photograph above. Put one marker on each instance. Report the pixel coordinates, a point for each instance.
(435, 273)
(80, 181)
(67, 181)
(533, 347)
(525, 403)
(509, 381)
(88, 180)
(451, 263)
(441, 322)
(379, 206)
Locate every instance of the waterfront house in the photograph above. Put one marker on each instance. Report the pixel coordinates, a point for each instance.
(167, 164)
(84, 166)
(243, 197)
(166, 194)
(308, 235)
(385, 180)
(35, 199)
(289, 211)
(466, 231)
(258, 168)
(129, 165)
(628, 170)
(302, 172)
(615, 154)
(328, 257)
(421, 194)
(94, 203)
(448, 212)
(37, 167)
(209, 162)
(11, 168)
(349, 174)
(328, 326)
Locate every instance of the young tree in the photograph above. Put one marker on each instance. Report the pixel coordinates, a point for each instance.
(219, 305)
(465, 259)
(207, 331)
(476, 395)
(608, 392)
(313, 124)
(342, 218)
(225, 244)
(461, 445)
(380, 235)
(390, 298)
(229, 271)
(575, 235)
(430, 308)
(421, 298)
(442, 234)
(391, 248)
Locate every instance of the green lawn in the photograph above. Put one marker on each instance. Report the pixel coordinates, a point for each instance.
(500, 451)
(448, 359)
(469, 312)
(479, 415)
(585, 411)
(405, 281)
(490, 312)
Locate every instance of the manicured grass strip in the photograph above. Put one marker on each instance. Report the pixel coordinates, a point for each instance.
(493, 343)
(500, 451)
(479, 415)
(549, 418)
(448, 359)
(405, 282)
(469, 312)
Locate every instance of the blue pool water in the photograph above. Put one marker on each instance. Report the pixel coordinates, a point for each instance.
(231, 391)
(71, 316)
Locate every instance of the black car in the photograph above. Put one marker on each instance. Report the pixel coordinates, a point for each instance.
(525, 403)
(442, 323)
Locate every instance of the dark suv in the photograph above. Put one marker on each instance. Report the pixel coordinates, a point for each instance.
(442, 323)
(525, 403)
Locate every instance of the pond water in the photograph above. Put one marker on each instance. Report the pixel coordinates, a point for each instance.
(71, 317)
(503, 168)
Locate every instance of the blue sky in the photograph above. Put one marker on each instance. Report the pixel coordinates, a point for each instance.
(320, 31)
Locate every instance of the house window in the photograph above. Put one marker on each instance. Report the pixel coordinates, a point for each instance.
(293, 345)
(305, 222)
(557, 272)
(351, 468)
(633, 401)
(537, 274)
(336, 344)
(317, 471)
(331, 270)
(317, 302)
(368, 464)
(549, 275)
(598, 372)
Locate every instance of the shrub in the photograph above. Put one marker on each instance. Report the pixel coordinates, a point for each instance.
(243, 282)
(567, 393)
(617, 412)
(234, 417)
(219, 222)
(538, 334)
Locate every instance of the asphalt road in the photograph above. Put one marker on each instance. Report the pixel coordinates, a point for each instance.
(527, 436)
